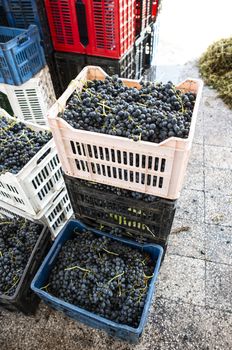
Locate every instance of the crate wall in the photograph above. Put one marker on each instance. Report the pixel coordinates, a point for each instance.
(21, 54)
(54, 215)
(152, 168)
(147, 218)
(32, 100)
(22, 13)
(110, 26)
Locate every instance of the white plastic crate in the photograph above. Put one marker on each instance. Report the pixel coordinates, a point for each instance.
(37, 183)
(55, 215)
(31, 100)
(156, 169)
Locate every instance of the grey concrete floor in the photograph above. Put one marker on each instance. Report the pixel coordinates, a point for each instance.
(192, 307)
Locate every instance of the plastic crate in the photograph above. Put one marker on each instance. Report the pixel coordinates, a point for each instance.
(155, 8)
(125, 332)
(54, 215)
(54, 72)
(21, 55)
(149, 220)
(69, 65)
(22, 13)
(111, 27)
(31, 100)
(143, 15)
(37, 183)
(98, 28)
(24, 299)
(64, 26)
(146, 49)
(156, 169)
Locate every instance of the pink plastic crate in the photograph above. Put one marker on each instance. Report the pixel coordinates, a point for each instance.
(113, 160)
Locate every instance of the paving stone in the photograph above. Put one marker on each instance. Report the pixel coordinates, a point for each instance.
(213, 137)
(218, 244)
(196, 155)
(190, 206)
(218, 157)
(218, 180)
(218, 286)
(194, 178)
(182, 279)
(218, 209)
(218, 325)
(175, 326)
(22, 332)
(187, 239)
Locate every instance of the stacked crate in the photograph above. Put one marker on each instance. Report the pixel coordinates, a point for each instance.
(37, 191)
(114, 184)
(103, 33)
(24, 76)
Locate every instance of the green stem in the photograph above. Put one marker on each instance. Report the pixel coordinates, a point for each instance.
(117, 276)
(76, 267)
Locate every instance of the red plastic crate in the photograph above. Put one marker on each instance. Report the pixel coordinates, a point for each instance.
(63, 23)
(110, 26)
(143, 14)
(155, 6)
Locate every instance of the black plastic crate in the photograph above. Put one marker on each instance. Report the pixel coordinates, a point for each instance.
(69, 66)
(144, 217)
(24, 299)
(143, 15)
(124, 68)
(5, 104)
(144, 51)
(50, 59)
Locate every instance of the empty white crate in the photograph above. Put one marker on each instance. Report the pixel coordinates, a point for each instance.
(54, 215)
(37, 183)
(31, 100)
(156, 169)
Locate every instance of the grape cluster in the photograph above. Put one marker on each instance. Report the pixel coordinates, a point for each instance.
(102, 276)
(153, 113)
(18, 144)
(17, 240)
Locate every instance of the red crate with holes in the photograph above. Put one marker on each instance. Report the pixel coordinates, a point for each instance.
(64, 26)
(96, 27)
(155, 7)
(143, 9)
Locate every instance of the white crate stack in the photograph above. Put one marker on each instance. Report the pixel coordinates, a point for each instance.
(31, 100)
(38, 191)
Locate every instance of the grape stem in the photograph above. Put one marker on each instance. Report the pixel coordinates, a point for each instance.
(117, 276)
(77, 267)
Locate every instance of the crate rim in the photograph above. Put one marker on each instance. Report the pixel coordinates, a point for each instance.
(32, 29)
(12, 297)
(54, 250)
(52, 115)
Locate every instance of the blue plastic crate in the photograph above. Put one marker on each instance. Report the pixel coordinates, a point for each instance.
(122, 331)
(22, 13)
(21, 55)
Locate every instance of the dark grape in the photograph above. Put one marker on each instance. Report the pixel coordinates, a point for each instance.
(18, 144)
(17, 240)
(102, 276)
(153, 113)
